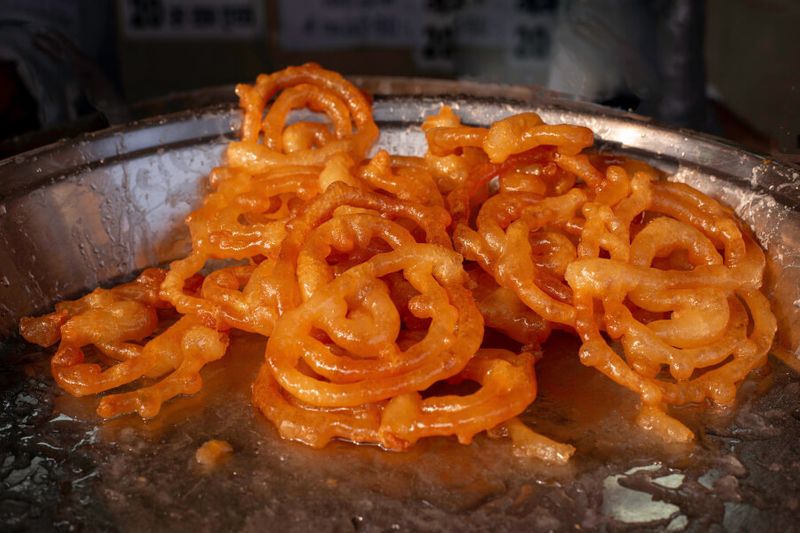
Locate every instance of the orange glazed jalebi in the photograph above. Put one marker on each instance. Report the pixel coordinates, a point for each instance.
(374, 278)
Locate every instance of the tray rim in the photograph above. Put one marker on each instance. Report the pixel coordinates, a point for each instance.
(26, 171)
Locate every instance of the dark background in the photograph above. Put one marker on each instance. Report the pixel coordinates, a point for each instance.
(728, 67)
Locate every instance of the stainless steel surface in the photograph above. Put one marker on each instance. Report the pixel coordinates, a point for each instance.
(96, 209)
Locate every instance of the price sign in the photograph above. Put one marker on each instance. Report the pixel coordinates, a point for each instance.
(342, 24)
(192, 19)
(530, 36)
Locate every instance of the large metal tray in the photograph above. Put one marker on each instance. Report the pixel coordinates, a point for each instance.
(94, 210)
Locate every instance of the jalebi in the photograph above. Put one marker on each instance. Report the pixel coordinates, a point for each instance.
(375, 276)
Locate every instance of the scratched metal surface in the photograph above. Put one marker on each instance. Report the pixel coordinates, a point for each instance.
(94, 210)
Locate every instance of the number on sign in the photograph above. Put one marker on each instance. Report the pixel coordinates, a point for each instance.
(146, 13)
(438, 42)
(532, 42)
(537, 6)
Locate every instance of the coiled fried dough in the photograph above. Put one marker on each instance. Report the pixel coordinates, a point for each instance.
(374, 275)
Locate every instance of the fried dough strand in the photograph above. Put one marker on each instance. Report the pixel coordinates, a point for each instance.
(375, 276)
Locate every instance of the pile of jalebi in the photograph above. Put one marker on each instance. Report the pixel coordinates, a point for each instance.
(374, 278)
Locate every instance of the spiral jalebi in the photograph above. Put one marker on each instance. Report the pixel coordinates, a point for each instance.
(374, 275)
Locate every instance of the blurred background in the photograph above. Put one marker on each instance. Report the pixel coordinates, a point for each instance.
(726, 67)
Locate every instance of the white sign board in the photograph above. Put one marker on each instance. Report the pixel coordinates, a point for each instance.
(341, 24)
(192, 19)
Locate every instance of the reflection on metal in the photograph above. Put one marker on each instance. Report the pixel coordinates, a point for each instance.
(707, 480)
(678, 523)
(671, 481)
(632, 506)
